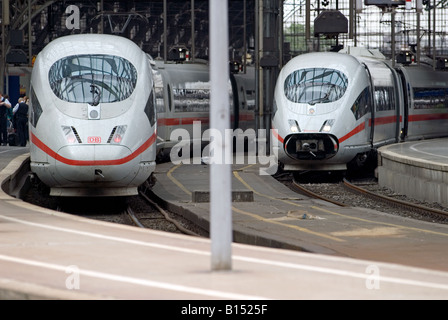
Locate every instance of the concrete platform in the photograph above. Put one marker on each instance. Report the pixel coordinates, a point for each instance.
(279, 217)
(418, 169)
(49, 255)
(46, 255)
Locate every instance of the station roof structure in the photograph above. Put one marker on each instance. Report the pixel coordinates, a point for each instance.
(143, 22)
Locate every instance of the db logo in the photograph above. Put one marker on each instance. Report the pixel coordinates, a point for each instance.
(93, 139)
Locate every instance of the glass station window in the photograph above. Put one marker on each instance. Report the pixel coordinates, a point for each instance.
(92, 78)
(315, 85)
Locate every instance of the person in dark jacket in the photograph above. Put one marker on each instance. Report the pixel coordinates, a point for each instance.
(4, 106)
(22, 119)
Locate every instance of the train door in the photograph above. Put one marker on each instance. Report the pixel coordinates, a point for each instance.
(399, 103)
(404, 108)
(385, 119)
(162, 106)
(370, 120)
(243, 85)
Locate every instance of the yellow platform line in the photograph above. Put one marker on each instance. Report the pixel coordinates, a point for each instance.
(237, 175)
(382, 223)
(176, 182)
(250, 214)
(340, 214)
(301, 229)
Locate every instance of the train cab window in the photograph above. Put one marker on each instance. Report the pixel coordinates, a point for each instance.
(362, 104)
(36, 109)
(92, 78)
(315, 85)
(150, 109)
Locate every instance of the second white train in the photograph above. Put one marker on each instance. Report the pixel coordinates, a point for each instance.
(333, 110)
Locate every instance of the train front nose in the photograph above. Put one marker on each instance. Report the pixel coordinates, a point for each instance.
(314, 146)
(94, 163)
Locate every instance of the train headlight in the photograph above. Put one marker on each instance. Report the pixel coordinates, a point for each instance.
(294, 126)
(326, 127)
(69, 134)
(117, 134)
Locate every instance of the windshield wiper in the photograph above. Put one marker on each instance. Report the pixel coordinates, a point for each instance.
(314, 101)
(94, 89)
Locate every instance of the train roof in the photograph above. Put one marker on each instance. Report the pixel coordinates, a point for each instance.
(91, 44)
(363, 52)
(425, 76)
(181, 73)
(345, 63)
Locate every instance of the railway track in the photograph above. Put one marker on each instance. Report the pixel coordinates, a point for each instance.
(306, 191)
(395, 202)
(140, 211)
(355, 194)
(139, 222)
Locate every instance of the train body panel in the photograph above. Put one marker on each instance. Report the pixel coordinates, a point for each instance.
(92, 116)
(385, 104)
(428, 102)
(183, 104)
(334, 109)
(187, 101)
(244, 95)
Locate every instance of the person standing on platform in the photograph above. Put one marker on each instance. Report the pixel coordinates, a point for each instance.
(21, 116)
(4, 106)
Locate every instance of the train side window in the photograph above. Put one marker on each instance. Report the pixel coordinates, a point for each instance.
(362, 104)
(194, 99)
(160, 102)
(430, 98)
(384, 98)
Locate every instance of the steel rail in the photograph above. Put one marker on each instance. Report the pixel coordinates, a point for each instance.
(411, 206)
(167, 217)
(134, 219)
(315, 195)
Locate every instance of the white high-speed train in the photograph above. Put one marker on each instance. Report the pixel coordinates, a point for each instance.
(92, 116)
(333, 110)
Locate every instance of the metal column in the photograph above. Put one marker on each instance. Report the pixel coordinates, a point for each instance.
(269, 25)
(220, 168)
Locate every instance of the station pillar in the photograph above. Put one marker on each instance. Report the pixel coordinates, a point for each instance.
(269, 54)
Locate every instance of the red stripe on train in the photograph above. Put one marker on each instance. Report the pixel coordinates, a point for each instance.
(73, 162)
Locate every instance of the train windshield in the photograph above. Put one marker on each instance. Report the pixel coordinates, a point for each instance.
(93, 79)
(315, 85)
